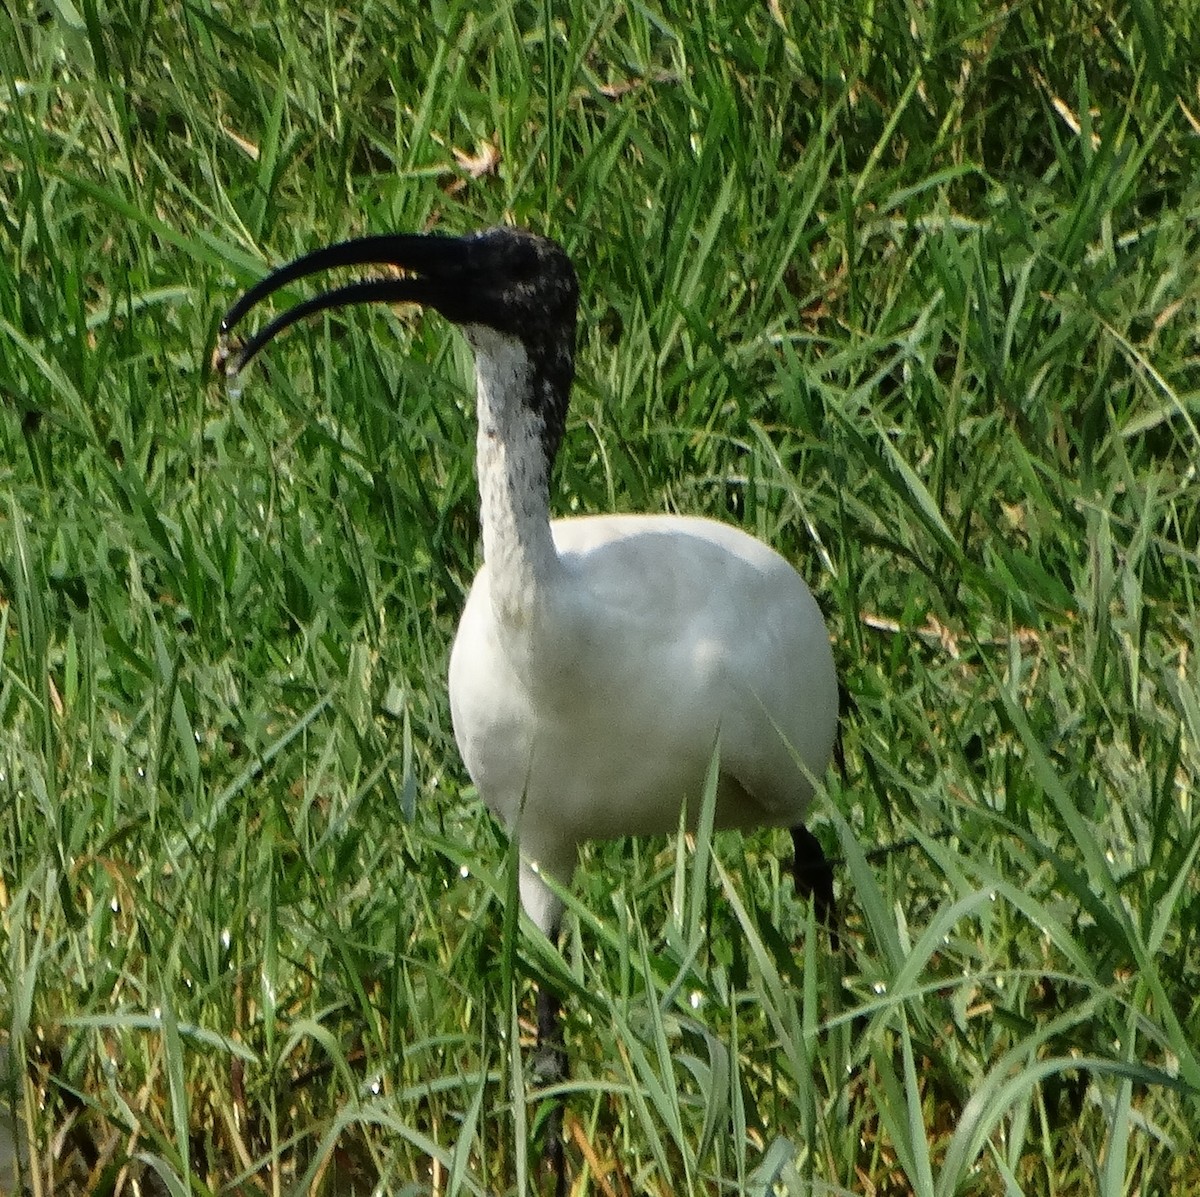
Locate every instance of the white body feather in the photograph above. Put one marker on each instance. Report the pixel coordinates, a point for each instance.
(598, 658)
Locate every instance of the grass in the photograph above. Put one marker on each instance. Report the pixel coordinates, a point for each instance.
(910, 291)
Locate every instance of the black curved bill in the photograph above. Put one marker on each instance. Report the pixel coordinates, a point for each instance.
(433, 259)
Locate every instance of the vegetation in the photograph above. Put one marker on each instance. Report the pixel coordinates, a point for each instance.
(912, 291)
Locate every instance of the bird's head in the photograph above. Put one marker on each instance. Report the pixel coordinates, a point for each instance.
(510, 281)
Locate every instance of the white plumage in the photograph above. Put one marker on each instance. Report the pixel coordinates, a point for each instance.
(595, 712)
(599, 658)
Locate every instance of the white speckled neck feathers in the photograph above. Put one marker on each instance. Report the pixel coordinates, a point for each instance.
(514, 455)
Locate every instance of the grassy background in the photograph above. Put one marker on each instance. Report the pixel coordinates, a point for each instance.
(912, 291)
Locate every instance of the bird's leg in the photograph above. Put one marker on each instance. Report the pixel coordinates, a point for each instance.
(551, 1066)
(813, 875)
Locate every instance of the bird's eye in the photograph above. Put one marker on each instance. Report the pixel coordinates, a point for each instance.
(524, 268)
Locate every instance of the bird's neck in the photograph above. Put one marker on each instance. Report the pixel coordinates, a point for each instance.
(514, 491)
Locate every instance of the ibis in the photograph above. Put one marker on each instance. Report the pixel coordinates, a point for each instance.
(601, 659)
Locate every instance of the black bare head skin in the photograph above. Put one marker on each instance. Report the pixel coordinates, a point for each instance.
(525, 286)
(514, 281)
(511, 280)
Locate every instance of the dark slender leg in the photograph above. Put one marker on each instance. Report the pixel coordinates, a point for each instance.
(813, 876)
(551, 1066)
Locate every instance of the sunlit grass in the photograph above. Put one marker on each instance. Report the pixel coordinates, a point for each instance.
(912, 297)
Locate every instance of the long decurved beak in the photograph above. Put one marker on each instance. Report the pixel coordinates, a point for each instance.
(436, 264)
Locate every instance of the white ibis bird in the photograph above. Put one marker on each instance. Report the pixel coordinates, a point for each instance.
(599, 658)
